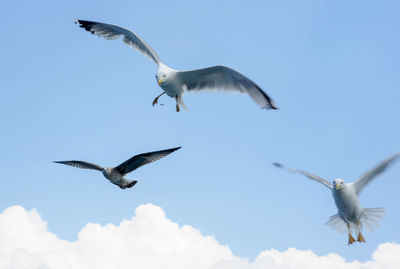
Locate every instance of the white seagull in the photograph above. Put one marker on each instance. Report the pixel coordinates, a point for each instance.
(116, 175)
(175, 82)
(350, 213)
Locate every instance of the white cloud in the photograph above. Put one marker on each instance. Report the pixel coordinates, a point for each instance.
(149, 240)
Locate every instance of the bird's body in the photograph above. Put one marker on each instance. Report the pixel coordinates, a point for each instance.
(174, 82)
(116, 178)
(350, 213)
(116, 175)
(347, 203)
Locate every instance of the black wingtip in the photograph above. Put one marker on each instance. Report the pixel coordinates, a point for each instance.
(174, 149)
(87, 25)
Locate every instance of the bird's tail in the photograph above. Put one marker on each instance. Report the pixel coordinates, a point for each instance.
(371, 216)
(336, 223)
(130, 184)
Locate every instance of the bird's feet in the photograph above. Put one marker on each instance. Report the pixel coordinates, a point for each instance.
(351, 239)
(360, 238)
(156, 99)
(177, 108)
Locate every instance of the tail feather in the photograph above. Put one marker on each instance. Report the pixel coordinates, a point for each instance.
(336, 223)
(129, 185)
(371, 216)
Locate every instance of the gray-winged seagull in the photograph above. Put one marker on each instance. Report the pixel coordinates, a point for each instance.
(350, 213)
(175, 82)
(116, 175)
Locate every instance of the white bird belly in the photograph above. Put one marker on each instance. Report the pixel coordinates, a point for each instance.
(348, 205)
(172, 89)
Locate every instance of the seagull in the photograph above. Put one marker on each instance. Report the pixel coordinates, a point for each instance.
(350, 213)
(174, 82)
(116, 175)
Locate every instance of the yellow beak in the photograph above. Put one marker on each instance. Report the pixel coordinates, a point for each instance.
(337, 186)
(159, 81)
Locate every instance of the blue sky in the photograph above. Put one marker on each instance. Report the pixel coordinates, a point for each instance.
(331, 67)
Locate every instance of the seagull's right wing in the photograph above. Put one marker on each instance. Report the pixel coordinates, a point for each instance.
(111, 32)
(80, 164)
(311, 176)
(226, 79)
(142, 159)
(366, 178)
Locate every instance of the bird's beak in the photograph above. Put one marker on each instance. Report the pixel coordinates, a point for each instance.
(337, 186)
(159, 81)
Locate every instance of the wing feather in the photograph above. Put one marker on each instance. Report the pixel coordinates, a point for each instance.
(304, 173)
(142, 159)
(226, 79)
(111, 32)
(367, 177)
(81, 164)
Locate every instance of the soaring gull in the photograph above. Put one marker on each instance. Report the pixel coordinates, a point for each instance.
(350, 213)
(116, 175)
(175, 82)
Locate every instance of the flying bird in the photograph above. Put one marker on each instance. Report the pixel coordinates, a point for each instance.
(350, 213)
(174, 82)
(116, 175)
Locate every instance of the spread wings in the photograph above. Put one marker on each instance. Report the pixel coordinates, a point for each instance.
(367, 177)
(311, 176)
(111, 32)
(226, 79)
(81, 164)
(142, 159)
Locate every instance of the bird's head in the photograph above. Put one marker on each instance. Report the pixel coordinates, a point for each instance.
(161, 77)
(106, 170)
(338, 184)
(164, 73)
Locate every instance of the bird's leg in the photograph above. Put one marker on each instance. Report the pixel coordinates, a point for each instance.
(360, 237)
(156, 100)
(177, 104)
(351, 238)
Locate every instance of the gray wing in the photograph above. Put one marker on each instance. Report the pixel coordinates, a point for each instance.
(367, 177)
(224, 78)
(142, 159)
(111, 32)
(311, 176)
(80, 164)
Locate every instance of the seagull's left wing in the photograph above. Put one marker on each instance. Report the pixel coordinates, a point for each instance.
(142, 159)
(367, 177)
(224, 78)
(304, 173)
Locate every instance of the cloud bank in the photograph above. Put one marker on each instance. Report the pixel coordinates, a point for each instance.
(149, 241)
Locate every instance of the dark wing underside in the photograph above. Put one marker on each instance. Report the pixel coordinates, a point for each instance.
(81, 164)
(142, 159)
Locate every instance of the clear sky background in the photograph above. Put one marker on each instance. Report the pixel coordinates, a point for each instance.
(331, 67)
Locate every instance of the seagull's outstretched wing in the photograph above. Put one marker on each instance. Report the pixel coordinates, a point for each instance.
(80, 164)
(142, 159)
(111, 32)
(224, 78)
(311, 176)
(367, 177)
